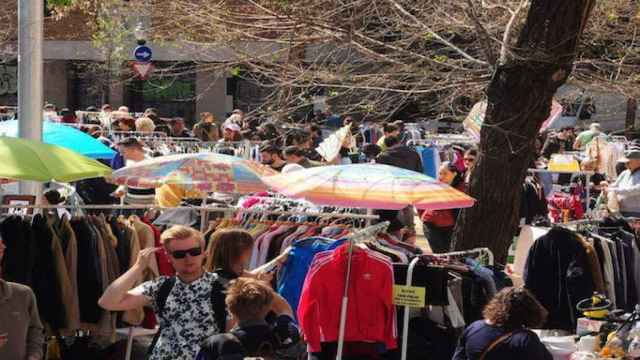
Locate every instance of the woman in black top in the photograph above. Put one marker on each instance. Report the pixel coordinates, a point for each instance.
(228, 255)
(503, 334)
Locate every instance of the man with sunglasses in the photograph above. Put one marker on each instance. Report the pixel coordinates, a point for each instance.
(190, 306)
(469, 160)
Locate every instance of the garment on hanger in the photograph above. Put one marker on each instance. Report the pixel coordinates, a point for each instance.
(430, 160)
(370, 315)
(294, 271)
(558, 274)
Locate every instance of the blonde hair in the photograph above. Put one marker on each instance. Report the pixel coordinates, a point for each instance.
(180, 232)
(249, 298)
(144, 124)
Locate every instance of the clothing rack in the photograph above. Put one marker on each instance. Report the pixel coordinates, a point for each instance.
(203, 209)
(308, 213)
(441, 140)
(280, 200)
(138, 134)
(358, 236)
(412, 265)
(479, 251)
(587, 184)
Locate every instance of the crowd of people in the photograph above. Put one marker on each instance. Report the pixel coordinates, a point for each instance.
(214, 308)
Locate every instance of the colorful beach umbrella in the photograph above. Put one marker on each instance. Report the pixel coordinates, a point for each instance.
(372, 186)
(22, 159)
(206, 172)
(473, 122)
(65, 136)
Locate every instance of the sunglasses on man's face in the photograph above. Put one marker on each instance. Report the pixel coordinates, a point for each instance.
(181, 254)
(469, 159)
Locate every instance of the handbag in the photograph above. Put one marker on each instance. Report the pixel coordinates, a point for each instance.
(495, 343)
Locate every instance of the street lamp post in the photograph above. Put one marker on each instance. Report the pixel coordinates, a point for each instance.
(30, 77)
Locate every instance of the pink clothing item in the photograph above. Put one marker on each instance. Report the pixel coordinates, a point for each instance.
(263, 250)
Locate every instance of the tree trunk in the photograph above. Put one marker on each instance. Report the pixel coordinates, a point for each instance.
(630, 120)
(519, 100)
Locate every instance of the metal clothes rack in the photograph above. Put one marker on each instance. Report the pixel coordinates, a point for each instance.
(308, 213)
(205, 210)
(441, 140)
(358, 236)
(138, 134)
(412, 265)
(298, 202)
(480, 251)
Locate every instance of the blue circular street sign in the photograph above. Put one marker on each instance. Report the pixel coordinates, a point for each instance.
(143, 53)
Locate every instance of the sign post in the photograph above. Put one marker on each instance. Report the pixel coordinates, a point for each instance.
(142, 66)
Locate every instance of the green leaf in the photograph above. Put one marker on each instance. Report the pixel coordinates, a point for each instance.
(235, 71)
(52, 3)
(440, 58)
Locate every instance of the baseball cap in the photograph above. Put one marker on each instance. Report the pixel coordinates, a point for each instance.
(633, 154)
(291, 168)
(232, 127)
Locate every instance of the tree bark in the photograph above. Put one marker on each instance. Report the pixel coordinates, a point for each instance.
(630, 120)
(519, 100)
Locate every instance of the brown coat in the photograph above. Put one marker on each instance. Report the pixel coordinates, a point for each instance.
(147, 240)
(63, 231)
(594, 264)
(135, 316)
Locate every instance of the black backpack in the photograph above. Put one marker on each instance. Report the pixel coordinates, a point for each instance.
(217, 304)
(265, 351)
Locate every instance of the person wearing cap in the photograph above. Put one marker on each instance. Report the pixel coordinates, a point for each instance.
(272, 156)
(124, 123)
(627, 187)
(231, 133)
(105, 116)
(237, 117)
(585, 137)
(133, 152)
(50, 113)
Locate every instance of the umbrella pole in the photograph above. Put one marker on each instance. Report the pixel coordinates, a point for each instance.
(203, 214)
(345, 303)
(360, 235)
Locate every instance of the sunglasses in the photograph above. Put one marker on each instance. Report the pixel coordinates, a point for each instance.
(469, 159)
(181, 254)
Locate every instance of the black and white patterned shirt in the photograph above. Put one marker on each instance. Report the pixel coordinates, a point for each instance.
(188, 318)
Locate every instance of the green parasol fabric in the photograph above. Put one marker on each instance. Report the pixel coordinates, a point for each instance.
(22, 159)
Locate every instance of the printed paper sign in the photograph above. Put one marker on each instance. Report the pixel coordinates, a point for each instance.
(409, 296)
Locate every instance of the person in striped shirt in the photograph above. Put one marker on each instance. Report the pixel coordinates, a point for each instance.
(133, 152)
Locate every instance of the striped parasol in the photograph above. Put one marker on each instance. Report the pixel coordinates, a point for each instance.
(473, 122)
(372, 186)
(207, 172)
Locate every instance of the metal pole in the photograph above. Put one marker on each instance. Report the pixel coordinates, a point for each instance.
(30, 102)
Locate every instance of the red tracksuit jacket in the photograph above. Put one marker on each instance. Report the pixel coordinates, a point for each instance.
(371, 313)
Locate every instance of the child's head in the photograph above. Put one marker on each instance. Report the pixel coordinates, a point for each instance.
(249, 299)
